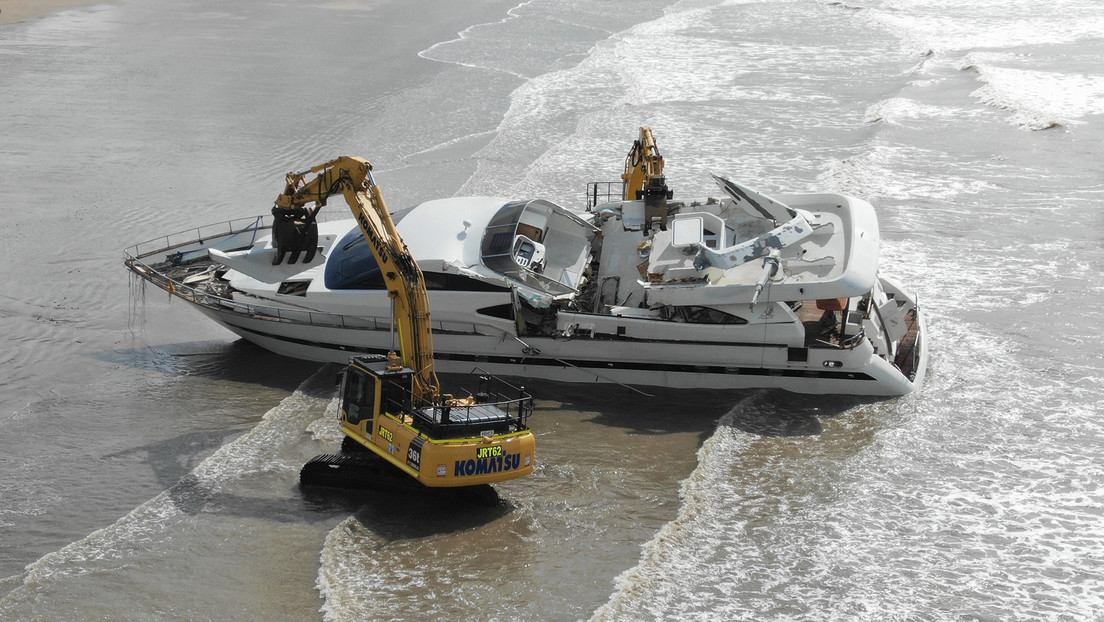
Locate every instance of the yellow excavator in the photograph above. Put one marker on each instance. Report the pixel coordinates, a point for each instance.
(643, 179)
(393, 413)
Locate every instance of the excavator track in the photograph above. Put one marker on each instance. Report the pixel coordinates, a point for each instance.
(363, 470)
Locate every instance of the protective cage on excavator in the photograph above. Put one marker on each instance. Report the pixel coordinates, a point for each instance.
(369, 387)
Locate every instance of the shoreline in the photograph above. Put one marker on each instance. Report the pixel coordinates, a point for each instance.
(15, 11)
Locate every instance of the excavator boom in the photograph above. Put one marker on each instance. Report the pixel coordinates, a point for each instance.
(351, 177)
(643, 163)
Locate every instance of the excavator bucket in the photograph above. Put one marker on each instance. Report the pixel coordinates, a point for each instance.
(294, 231)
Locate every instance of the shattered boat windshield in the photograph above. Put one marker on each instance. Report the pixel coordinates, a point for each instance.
(498, 239)
(535, 243)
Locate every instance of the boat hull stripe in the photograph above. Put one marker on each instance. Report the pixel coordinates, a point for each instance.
(584, 364)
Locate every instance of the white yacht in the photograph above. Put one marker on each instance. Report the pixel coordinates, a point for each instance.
(735, 292)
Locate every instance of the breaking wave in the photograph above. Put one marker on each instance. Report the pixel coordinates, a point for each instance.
(142, 541)
(1038, 100)
(1026, 65)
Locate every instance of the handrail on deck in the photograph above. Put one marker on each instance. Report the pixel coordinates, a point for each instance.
(196, 235)
(135, 256)
(594, 192)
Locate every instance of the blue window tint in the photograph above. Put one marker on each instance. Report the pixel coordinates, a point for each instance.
(352, 265)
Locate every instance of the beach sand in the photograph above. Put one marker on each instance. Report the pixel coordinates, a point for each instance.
(12, 11)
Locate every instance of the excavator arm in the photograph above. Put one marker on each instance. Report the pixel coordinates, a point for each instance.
(643, 163)
(643, 179)
(352, 178)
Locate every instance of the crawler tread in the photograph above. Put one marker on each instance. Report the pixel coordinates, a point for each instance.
(367, 471)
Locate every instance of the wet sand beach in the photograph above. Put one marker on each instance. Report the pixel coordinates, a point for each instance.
(12, 11)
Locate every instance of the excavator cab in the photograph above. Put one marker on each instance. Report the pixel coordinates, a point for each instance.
(369, 387)
(466, 442)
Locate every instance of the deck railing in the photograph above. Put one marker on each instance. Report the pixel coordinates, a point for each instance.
(603, 191)
(198, 236)
(191, 245)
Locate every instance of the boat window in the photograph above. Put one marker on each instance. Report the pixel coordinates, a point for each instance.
(700, 315)
(293, 288)
(504, 311)
(443, 281)
(352, 265)
(498, 239)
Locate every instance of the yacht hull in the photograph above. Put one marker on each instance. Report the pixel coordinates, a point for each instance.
(586, 360)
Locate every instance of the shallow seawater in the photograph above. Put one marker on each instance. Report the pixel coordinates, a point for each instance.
(149, 461)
